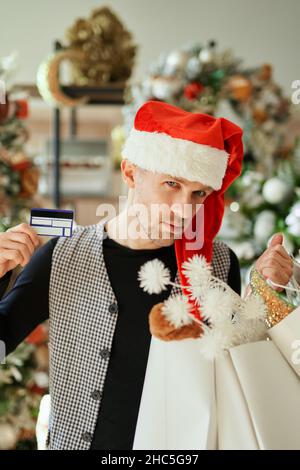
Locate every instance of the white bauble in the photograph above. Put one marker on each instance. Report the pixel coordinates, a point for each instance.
(251, 178)
(294, 229)
(293, 220)
(276, 190)
(234, 225)
(193, 68)
(206, 56)
(165, 88)
(264, 226)
(244, 250)
(252, 201)
(175, 61)
(296, 209)
(41, 379)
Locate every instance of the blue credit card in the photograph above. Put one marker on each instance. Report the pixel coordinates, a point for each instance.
(52, 222)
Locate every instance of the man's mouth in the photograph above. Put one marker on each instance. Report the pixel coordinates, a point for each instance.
(173, 228)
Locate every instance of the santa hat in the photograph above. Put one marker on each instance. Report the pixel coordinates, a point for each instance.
(194, 146)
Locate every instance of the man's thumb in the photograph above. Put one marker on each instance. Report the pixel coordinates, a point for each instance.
(277, 239)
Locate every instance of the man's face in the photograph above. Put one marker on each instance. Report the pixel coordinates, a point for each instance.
(167, 203)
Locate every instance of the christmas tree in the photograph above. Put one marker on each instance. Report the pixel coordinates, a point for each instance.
(23, 377)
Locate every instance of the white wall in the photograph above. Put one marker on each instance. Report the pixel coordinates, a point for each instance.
(258, 30)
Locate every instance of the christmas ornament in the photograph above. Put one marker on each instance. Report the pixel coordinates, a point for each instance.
(240, 88)
(48, 78)
(176, 61)
(207, 54)
(163, 88)
(193, 68)
(264, 226)
(227, 319)
(276, 191)
(29, 182)
(193, 90)
(265, 72)
(4, 110)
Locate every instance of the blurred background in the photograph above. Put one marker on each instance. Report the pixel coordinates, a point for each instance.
(73, 74)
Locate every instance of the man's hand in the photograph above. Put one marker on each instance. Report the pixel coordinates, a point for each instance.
(275, 263)
(17, 245)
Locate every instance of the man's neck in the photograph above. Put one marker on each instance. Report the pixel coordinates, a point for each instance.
(117, 230)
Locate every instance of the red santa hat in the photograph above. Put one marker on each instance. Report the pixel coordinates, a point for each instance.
(194, 146)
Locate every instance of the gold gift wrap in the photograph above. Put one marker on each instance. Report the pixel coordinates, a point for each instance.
(277, 307)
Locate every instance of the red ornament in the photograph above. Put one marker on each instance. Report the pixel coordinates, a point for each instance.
(38, 390)
(22, 109)
(4, 108)
(38, 336)
(21, 166)
(193, 90)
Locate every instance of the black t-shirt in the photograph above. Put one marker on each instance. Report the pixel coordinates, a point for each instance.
(129, 353)
(26, 305)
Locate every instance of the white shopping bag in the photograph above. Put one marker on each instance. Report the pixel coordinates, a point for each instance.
(178, 407)
(42, 424)
(258, 399)
(248, 398)
(286, 336)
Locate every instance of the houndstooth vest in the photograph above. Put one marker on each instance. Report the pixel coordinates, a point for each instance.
(83, 315)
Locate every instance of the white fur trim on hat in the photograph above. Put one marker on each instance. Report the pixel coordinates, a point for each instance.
(160, 153)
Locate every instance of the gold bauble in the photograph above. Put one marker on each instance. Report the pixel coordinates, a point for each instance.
(265, 72)
(259, 115)
(240, 87)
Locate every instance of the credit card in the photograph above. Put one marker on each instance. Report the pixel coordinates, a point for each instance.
(52, 222)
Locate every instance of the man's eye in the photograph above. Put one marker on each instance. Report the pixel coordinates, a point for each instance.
(201, 193)
(172, 184)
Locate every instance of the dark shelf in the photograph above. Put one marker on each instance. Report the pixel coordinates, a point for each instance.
(109, 94)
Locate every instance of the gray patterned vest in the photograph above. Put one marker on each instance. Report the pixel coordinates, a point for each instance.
(83, 314)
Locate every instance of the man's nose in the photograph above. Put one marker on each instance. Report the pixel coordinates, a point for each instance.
(183, 211)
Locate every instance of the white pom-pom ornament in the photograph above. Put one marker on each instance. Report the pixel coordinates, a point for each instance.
(177, 311)
(154, 276)
(230, 320)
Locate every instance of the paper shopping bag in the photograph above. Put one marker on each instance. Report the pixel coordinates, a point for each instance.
(258, 399)
(286, 336)
(177, 408)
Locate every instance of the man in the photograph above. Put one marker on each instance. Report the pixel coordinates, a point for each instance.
(99, 341)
